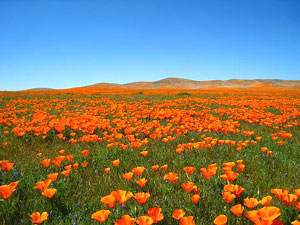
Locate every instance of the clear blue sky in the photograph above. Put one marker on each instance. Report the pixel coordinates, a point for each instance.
(61, 44)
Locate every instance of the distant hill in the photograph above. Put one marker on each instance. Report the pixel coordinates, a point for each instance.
(39, 89)
(179, 83)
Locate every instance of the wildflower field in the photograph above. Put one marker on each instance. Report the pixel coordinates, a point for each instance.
(150, 157)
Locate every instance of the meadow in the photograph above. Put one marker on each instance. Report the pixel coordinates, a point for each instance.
(150, 157)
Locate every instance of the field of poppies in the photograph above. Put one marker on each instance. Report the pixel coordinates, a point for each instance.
(161, 157)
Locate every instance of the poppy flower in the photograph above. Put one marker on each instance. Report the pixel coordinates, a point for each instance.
(52, 176)
(69, 158)
(109, 201)
(107, 170)
(195, 198)
(144, 153)
(155, 167)
(7, 166)
(128, 176)
(144, 220)
(228, 197)
(155, 214)
(220, 220)
(42, 185)
(142, 182)
(138, 170)
(85, 152)
(265, 201)
(39, 154)
(121, 196)
(189, 169)
(116, 162)
(269, 213)
(164, 167)
(125, 220)
(237, 210)
(187, 220)
(7, 189)
(49, 192)
(68, 167)
(37, 218)
(178, 213)
(253, 216)
(241, 167)
(230, 176)
(101, 215)
(297, 192)
(141, 197)
(46, 162)
(75, 166)
(250, 202)
(84, 164)
(61, 151)
(207, 173)
(172, 177)
(66, 172)
(188, 186)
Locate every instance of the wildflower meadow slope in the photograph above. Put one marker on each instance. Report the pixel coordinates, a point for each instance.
(123, 157)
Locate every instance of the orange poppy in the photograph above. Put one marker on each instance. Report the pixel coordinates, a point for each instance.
(220, 220)
(46, 162)
(121, 196)
(141, 197)
(164, 167)
(37, 218)
(155, 214)
(144, 153)
(85, 152)
(109, 201)
(43, 185)
(61, 151)
(228, 197)
(189, 169)
(116, 162)
(107, 170)
(84, 164)
(178, 213)
(125, 220)
(138, 170)
(269, 213)
(172, 177)
(187, 220)
(142, 182)
(250, 202)
(7, 189)
(52, 176)
(7, 166)
(128, 176)
(68, 167)
(49, 192)
(188, 186)
(237, 210)
(101, 215)
(144, 220)
(66, 172)
(195, 198)
(69, 158)
(75, 166)
(265, 201)
(155, 167)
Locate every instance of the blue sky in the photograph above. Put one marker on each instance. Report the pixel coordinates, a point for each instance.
(62, 44)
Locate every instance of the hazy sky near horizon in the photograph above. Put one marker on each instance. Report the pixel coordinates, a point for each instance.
(69, 43)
